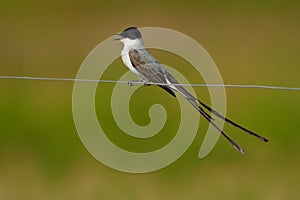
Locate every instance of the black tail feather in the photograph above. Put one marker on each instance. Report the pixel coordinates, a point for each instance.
(205, 114)
(233, 143)
(195, 102)
(210, 120)
(233, 123)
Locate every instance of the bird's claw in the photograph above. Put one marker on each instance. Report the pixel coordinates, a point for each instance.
(147, 84)
(130, 83)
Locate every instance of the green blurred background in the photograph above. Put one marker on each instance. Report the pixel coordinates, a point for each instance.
(252, 42)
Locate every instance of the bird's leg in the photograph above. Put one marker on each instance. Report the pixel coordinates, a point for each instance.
(146, 83)
(132, 82)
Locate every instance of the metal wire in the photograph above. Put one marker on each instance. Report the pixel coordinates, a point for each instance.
(141, 82)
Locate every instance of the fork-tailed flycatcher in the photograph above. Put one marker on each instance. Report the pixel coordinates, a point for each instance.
(137, 58)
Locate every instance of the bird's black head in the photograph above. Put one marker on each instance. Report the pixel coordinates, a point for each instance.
(131, 33)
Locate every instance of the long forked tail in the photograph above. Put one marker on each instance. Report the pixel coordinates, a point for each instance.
(195, 102)
(210, 119)
(233, 123)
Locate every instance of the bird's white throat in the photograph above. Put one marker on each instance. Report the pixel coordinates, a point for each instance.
(132, 44)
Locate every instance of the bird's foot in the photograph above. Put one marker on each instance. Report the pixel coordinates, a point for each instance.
(147, 83)
(132, 82)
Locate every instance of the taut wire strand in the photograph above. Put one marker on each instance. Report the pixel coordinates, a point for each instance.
(142, 82)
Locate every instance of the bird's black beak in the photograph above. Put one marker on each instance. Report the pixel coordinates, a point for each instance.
(118, 36)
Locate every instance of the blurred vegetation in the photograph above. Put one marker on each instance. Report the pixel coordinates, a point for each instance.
(41, 155)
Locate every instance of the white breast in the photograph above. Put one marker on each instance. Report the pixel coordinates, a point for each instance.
(129, 45)
(126, 60)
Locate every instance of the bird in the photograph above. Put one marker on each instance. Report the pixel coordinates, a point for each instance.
(149, 70)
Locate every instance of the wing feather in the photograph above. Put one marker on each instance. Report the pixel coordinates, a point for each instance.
(149, 68)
